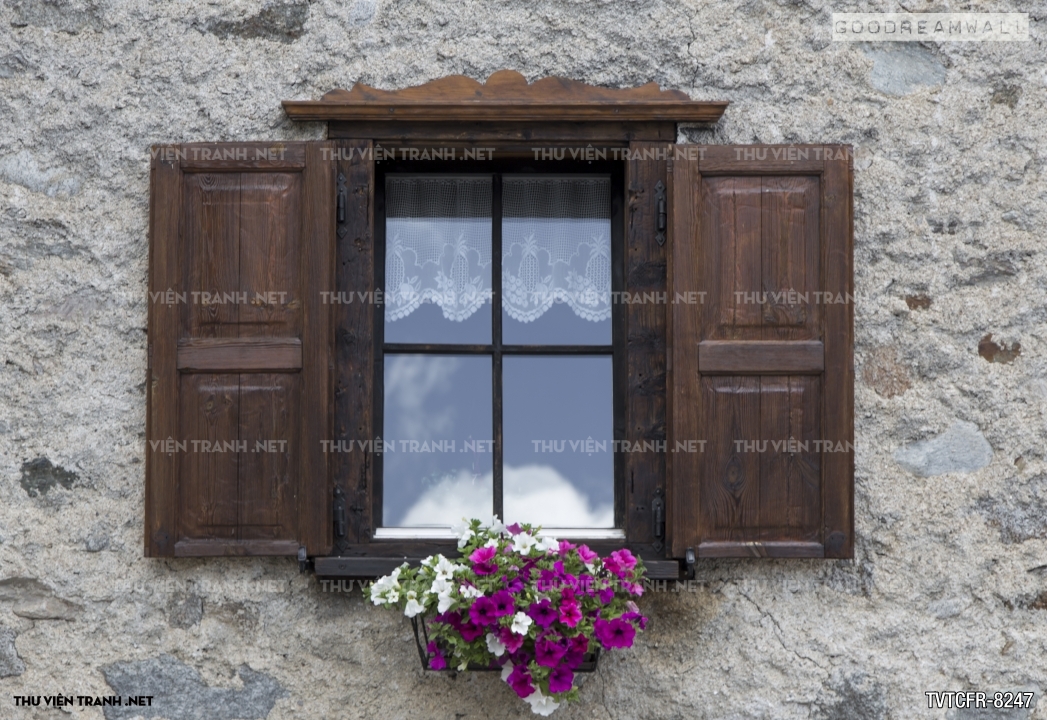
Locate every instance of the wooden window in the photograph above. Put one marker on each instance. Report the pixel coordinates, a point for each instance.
(733, 323)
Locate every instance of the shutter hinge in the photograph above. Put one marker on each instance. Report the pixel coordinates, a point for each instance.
(303, 560)
(659, 197)
(658, 511)
(342, 199)
(689, 558)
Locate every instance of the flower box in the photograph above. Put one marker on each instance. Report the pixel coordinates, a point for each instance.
(537, 609)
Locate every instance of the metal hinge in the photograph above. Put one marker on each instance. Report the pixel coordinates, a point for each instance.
(659, 197)
(340, 524)
(303, 560)
(689, 558)
(343, 198)
(658, 511)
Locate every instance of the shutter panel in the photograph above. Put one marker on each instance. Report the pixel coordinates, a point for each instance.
(240, 348)
(761, 365)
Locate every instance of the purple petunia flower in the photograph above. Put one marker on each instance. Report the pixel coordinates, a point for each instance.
(586, 554)
(513, 529)
(548, 653)
(615, 633)
(511, 640)
(503, 603)
(437, 661)
(542, 613)
(566, 547)
(561, 680)
(469, 631)
(606, 595)
(576, 650)
(520, 681)
(570, 613)
(483, 560)
(637, 618)
(483, 612)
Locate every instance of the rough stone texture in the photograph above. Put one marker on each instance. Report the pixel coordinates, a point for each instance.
(179, 693)
(10, 664)
(39, 476)
(949, 204)
(31, 599)
(960, 449)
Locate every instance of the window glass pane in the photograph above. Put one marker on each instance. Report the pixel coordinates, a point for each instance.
(556, 268)
(558, 432)
(437, 440)
(438, 259)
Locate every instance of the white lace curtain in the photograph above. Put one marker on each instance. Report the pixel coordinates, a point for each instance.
(556, 245)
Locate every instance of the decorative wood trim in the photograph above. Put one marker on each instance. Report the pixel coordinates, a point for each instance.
(507, 97)
(233, 355)
(760, 357)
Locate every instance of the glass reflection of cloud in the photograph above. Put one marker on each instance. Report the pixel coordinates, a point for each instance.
(536, 493)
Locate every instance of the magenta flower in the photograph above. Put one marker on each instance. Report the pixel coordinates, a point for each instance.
(437, 661)
(586, 554)
(620, 562)
(561, 680)
(576, 650)
(637, 618)
(483, 612)
(542, 613)
(566, 547)
(548, 653)
(520, 681)
(615, 633)
(503, 603)
(483, 560)
(570, 613)
(606, 595)
(516, 585)
(513, 529)
(469, 631)
(511, 640)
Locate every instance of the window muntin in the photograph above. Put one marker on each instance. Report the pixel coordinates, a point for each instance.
(568, 220)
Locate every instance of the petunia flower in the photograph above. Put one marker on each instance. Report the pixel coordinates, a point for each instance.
(566, 547)
(483, 560)
(615, 633)
(510, 639)
(413, 607)
(496, 646)
(521, 623)
(483, 612)
(520, 680)
(548, 653)
(503, 603)
(523, 543)
(542, 613)
(513, 529)
(470, 632)
(542, 704)
(586, 554)
(635, 617)
(570, 613)
(437, 661)
(561, 680)
(576, 650)
(606, 595)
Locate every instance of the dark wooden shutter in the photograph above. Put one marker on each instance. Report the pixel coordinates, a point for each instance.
(761, 383)
(242, 242)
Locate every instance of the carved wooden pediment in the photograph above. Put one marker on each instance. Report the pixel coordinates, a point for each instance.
(507, 97)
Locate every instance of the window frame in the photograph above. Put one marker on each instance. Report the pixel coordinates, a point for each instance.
(496, 168)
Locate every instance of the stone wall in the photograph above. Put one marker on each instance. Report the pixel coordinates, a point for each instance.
(948, 590)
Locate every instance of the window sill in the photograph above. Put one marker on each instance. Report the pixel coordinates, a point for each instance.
(447, 534)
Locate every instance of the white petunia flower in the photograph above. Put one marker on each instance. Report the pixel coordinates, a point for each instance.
(464, 539)
(496, 646)
(444, 603)
(440, 586)
(445, 568)
(392, 596)
(413, 608)
(470, 591)
(507, 670)
(497, 527)
(521, 623)
(541, 704)
(548, 544)
(523, 543)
